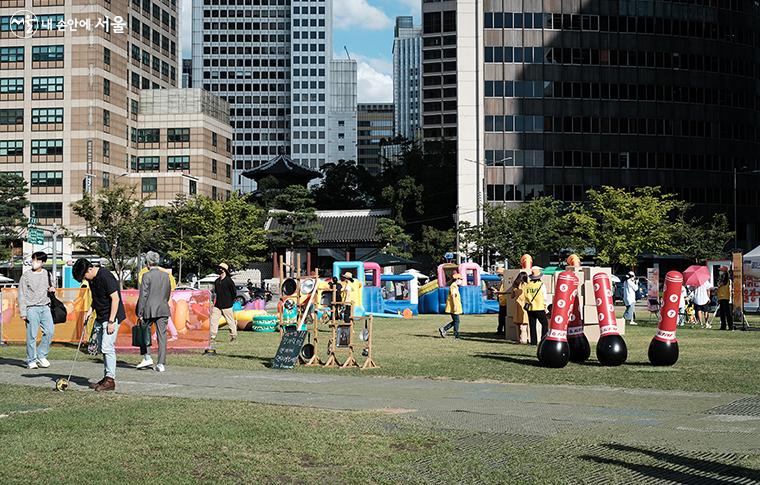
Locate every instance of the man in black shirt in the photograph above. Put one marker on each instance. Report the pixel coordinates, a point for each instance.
(109, 312)
(225, 291)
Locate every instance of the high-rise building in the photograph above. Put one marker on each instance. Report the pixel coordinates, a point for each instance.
(187, 73)
(70, 79)
(272, 64)
(375, 126)
(341, 132)
(555, 98)
(407, 77)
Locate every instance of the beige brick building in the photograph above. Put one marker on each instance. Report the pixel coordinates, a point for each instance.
(72, 81)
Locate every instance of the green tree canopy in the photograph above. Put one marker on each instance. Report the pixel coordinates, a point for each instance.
(394, 240)
(434, 243)
(343, 186)
(13, 201)
(297, 219)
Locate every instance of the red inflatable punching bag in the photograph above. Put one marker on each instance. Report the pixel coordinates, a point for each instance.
(663, 350)
(611, 349)
(553, 351)
(580, 350)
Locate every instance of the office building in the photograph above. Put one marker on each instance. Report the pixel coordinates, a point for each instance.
(407, 78)
(341, 132)
(71, 73)
(375, 128)
(577, 95)
(187, 73)
(272, 64)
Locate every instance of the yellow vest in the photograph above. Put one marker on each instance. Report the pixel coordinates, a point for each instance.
(724, 292)
(534, 295)
(454, 301)
(504, 298)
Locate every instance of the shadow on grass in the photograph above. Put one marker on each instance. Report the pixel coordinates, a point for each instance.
(689, 469)
(513, 360)
(489, 337)
(13, 362)
(78, 380)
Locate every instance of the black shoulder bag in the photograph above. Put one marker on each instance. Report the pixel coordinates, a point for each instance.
(57, 308)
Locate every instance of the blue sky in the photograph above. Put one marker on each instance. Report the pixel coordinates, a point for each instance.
(366, 28)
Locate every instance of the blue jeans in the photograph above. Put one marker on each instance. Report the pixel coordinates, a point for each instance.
(38, 317)
(628, 315)
(106, 345)
(453, 323)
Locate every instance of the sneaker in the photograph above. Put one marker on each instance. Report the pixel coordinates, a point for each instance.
(633, 323)
(32, 365)
(146, 362)
(442, 331)
(160, 368)
(44, 363)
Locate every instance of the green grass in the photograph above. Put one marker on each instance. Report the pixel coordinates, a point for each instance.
(710, 360)
(86, 437)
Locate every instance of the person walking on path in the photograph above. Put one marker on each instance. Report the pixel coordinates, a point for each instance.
(34, 306)
(701, 300)
(535, 304)
(109, 311)
(630, 289)
(724, 300)
(225, 291)
(153, 308)
(453, 307)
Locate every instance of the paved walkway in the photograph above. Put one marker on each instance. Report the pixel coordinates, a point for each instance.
(700, 422)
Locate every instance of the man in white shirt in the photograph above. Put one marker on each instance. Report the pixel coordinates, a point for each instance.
(630, 288)
(701, 300)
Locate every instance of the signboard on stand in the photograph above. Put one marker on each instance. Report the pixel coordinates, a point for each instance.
(738, 286)
(653, 280)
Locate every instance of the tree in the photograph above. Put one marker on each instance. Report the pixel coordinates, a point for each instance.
(342, 186)
(296, 217)
(434, 243)
(404, 198)
(700, 240)
(12, 204)
(204, 232)
(623, 225)
(119, 224)
(392, 237)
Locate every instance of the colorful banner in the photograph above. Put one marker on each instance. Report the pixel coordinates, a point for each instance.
(653, 280)
(738, 286)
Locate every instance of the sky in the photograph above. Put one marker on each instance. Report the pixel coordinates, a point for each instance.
(365, 27)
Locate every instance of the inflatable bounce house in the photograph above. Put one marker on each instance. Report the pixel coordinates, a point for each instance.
(401, 293)
(356, 268)
(432, 296)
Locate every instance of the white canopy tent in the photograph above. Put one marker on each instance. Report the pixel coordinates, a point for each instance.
(752, 263)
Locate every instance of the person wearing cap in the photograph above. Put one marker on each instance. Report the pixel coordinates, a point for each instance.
(348, 295)
(630, 289)
(535, 304)
(724, 300)
(153, 307)
(225, 291)
(109, 313)
(453, 307)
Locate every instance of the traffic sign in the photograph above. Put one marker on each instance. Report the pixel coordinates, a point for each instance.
(33, 218)
(35, 236)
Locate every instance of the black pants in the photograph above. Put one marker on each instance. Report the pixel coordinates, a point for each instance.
(726, 316)
(502, 319)
(537, 316)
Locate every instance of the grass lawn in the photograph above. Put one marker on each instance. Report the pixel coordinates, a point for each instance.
(82, 437)
(710, 360)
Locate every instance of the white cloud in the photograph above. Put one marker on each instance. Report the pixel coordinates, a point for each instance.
(414, 6)
(373, 86)
(349, 14)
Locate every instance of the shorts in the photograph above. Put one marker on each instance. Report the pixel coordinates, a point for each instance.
(701, 308)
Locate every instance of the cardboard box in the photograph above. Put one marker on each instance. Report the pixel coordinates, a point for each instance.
(592, 331)
(588, 292)
(510, 275)
(548, 281)
(590, 271)
(589, 315)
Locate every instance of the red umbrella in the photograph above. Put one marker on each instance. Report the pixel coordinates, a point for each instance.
(696, 275)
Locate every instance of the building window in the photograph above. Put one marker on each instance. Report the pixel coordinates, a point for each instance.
(146, 164)
(179, 135)
(42, 116)
(47, 210)
(106, 118)
(229, 145)
(12, 23)
(11, 117)
(106, 56)
(106, 149)
(213, 193)
(47, 53)
(12, 85)
(106, 87)
(150, 135)
(228, 169)
(106, 180)
(213, 166)
(47, 182)
(178, 163)
(47, 147)
(214, 140)
(11, 54)
(11, 148)
(48, 22)
(149, 185)
(47, 84)
(193, 187)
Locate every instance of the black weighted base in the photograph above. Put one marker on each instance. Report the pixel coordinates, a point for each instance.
(580, 349)
(663, 353)
(611, 350)
(552, 353)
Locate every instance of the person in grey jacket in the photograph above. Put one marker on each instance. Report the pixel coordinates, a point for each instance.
(34, 306)
(153, 307)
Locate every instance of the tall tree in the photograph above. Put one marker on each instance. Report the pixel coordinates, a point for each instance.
(119, 224)
(392, 237)
(435, 243)
(342, 186)
(296, 219)
(13, 201)
(698, 239)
